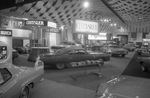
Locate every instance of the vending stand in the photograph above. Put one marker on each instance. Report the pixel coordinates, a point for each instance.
(5, 46)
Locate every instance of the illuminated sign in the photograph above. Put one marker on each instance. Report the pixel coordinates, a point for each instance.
(82, 26)
(35, 23)
(5, 33)
(10, 22)
(51, 24)
(101, 36)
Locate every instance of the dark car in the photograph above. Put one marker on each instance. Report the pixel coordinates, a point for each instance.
(144, 62)
(73, 57)
(15, 54)
(114, 50)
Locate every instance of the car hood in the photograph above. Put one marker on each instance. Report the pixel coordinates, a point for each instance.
(125, 87)
(16, 70)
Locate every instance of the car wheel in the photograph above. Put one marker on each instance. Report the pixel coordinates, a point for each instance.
(60, 66)
(25, 93)
(123, 55)
(144, 68)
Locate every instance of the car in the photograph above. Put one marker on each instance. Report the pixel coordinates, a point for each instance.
(142, 50)
(130, 46)
(144, 62)
(122, 86)
(18, 81)
(73, 57)
(114, 50)
(15, 54)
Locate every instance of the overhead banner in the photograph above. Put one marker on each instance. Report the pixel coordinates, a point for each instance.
(86, 27)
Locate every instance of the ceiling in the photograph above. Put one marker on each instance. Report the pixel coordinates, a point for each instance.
(132, 15)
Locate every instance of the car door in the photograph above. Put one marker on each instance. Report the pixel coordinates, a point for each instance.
(73, 56)
(82, 55)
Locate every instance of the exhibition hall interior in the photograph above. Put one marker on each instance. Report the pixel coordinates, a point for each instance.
(74, 49)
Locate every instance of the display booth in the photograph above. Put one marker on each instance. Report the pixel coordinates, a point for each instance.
(5, 47)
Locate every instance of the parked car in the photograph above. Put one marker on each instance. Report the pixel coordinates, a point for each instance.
(124, 87)
(142, 50)
(73, 57)
(15, 54)
(114, 50)
(17, 82)
(130, 46)
(144, 62)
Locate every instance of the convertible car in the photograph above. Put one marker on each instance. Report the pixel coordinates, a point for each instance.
(16, 82)
(144, 62)
(114, 50)
(73, 57)
(124, 87)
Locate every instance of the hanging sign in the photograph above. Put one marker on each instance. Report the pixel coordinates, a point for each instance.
(35, 23)
(87, 27)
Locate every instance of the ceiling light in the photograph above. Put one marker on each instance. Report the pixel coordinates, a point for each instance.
(86, 4)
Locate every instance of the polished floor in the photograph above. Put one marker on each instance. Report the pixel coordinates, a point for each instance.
(134, 69)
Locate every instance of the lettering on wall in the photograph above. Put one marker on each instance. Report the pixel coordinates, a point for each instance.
(5, 33)
(10, 23)
(35, 23)
(100, 36)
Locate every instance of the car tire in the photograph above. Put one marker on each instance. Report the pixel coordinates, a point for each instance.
(60, 66)
(144, 69)
(25, 92)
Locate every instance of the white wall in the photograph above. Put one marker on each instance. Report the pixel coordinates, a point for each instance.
(52, 39)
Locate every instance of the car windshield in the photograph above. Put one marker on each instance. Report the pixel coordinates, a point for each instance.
(61, 51)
